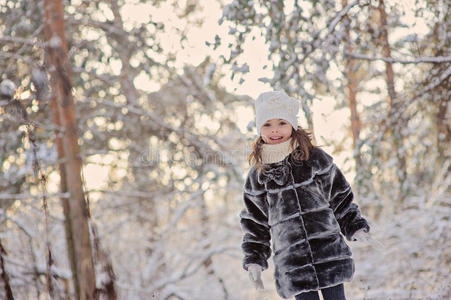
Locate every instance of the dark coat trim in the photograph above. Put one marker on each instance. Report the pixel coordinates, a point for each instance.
(305, 209)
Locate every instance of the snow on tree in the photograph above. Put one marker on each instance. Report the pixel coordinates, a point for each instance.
(168, 156)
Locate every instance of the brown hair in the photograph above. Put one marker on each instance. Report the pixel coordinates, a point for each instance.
(301, 136)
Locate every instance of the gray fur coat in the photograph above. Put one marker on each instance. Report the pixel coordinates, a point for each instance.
(304, 208)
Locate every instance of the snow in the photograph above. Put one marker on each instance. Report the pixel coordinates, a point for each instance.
(411, 264)
(7, 88)
(39, 78)
(170, 224)
(244, 68)
(55, 41)
(209, 74)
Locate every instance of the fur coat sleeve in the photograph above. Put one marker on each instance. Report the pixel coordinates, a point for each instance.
(254, 223)
(340, 196)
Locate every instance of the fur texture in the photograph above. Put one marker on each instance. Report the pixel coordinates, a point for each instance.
(304, 209)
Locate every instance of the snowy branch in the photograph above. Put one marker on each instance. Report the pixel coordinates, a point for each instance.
(36, 124)
(10, 39)
(433, 60)
(340, 16)
(436, 82)
(108, 28)
(158, 121)
(4, 196)
(190, 270)
(330, 29)
(40, 269)
(18, 57)
(181, 212)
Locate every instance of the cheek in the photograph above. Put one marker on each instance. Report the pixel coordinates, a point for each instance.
(287, 130)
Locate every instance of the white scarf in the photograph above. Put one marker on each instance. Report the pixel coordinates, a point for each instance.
(272, 153)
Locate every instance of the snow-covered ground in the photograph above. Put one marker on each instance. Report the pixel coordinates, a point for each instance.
(410, 259)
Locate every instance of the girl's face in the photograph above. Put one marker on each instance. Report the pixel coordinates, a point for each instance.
(276, 131)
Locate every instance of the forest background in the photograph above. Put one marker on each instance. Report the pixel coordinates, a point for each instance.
(125, 128)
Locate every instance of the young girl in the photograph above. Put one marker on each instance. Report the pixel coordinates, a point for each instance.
(295, 195)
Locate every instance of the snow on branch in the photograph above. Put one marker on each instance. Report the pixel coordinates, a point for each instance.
(158, 121)
(18, 57)
(433, 60)
(40, 269)
(193, 266)
(317, 42)
(23, 196)
(436, 82)
(340, 16)
(18, 40)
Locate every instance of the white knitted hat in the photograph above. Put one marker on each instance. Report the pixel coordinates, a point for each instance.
(275, 105)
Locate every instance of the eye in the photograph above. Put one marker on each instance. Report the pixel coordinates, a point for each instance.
(283, 123)
(266, 125)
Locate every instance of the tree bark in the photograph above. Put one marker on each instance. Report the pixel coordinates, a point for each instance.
(76, 210)
(386, 52)
(351, 92)
(394, 107)
(443, 135)
(64, 200)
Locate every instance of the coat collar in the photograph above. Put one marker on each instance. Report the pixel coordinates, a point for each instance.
(318, 163)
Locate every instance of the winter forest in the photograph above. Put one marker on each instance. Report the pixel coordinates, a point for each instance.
(125, 128)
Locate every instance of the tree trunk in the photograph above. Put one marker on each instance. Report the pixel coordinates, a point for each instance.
(64, 200)
(394, 110)
(351, 91)
(443, 128)
(76, 211)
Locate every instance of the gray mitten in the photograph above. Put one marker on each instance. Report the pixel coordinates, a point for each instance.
(255, 272)
(361, 236)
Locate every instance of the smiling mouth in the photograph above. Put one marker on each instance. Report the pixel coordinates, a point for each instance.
(275, 138)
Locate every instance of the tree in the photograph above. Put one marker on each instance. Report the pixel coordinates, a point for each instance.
(145, 199)
(305, 40)
(395, 125)
(352, 79)
(75, 207)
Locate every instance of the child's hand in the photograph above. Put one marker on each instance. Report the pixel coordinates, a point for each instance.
(255, 272)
